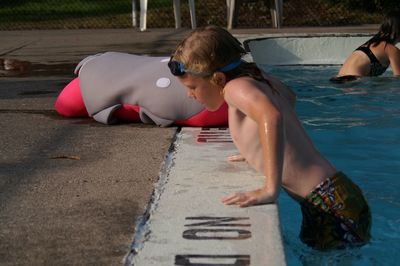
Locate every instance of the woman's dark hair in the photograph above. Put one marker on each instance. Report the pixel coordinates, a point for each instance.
(389, 30)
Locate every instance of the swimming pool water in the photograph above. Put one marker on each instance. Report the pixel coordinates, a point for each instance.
(357, 127)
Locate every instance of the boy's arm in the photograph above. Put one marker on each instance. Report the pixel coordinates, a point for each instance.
(244, 95)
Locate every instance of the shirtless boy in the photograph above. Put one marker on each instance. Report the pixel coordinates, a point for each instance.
(270, 137)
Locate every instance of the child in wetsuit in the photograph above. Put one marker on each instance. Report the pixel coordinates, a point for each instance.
(374, 57)
(270, 137)
(112, 87)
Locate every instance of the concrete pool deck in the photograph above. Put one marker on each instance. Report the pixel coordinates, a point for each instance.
(66, 199)
(188, 224)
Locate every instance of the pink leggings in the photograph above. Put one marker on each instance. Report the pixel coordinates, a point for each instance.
(70, 104)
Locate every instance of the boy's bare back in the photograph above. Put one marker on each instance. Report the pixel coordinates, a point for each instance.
(303, 166)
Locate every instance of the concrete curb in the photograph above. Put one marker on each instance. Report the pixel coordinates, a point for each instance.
(188, 224)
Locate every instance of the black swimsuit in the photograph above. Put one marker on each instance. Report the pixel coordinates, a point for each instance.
(376, 68)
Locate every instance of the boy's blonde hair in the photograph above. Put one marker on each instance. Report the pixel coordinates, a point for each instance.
(207, 49)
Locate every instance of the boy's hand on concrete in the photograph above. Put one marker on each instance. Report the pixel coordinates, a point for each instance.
(249, 198)
(236, 158)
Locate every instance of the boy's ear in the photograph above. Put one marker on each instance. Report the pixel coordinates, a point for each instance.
(219, 79)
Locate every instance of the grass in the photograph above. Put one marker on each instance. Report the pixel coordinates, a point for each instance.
(74, 14)
(64, 14)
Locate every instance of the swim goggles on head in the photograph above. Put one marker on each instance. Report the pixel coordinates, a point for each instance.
(178, 68)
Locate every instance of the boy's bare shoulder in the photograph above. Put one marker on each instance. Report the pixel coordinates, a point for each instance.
(240, 85)
(274, 80)
(243, 91)
(286, 92)
(240, 81)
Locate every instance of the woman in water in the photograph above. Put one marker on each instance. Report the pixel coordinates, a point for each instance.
(377, 54)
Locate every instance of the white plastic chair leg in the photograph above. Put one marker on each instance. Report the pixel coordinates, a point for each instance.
(276, 9)
(177, 13)
(143, 15)
(134, 15)
(230, 4)
(192, 8)
(276, 13)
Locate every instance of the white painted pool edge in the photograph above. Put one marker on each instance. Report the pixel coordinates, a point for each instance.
(260, 46)
(303, 49)
(196, 176)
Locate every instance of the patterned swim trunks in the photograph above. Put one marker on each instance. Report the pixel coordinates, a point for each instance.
(335, 214)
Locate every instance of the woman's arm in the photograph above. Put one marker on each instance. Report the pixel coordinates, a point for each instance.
(245, 95)
(393, 54)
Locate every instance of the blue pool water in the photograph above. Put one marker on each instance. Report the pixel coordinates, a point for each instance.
(357, 127)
